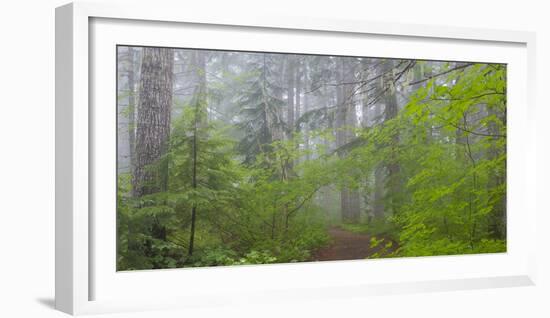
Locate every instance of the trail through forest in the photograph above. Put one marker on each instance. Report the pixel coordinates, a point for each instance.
(347, 245)
(231, 158)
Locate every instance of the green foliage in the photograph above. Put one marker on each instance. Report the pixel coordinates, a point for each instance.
(259, 214)
(454, 203)
(223, 257)
(376, 227)
(452, 161)
(258, 199)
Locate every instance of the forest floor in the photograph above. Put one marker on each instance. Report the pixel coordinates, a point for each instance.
(347, 245)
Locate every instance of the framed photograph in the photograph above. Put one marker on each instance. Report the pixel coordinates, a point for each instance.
(271, 158)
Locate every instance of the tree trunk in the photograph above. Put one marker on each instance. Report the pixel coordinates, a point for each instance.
(307, 88)
(276, 129)
(340, 121)
(365, 102)
(201, 117)
(298, 84)
(153, 124)
(200, 94)
(346, 118)
(354, 198)
(378, 208)
(132, 107)
(291, 76)
(379, 175)
(390, 112)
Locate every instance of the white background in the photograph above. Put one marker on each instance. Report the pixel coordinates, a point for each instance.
(27, 159)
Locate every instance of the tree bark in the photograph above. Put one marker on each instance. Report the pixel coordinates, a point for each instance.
(153, 124)
(307, 88)
(298, 84)
(277, 131)
(132, 107)
(379, 170)
(354, 197)
(390, 112)
(346, 122)
(291, 77)
(340, 121)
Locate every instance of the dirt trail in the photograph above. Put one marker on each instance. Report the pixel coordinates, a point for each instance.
(347, 246)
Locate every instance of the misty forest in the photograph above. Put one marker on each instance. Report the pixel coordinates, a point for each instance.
(228, 158)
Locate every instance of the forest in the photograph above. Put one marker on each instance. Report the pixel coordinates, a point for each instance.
(231, 158)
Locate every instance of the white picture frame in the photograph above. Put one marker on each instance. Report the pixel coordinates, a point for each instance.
(84, 282)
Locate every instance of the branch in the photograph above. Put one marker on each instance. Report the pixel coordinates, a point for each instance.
(475, 132)
(289, 213)
(442, 73)
(473, 97)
